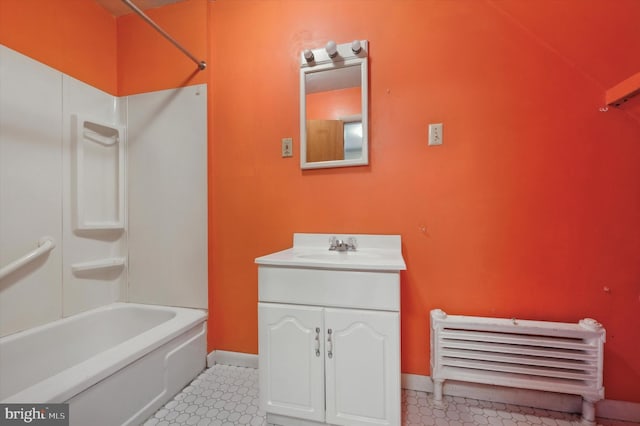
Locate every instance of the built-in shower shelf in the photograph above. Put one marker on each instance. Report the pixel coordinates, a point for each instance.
(99, 150)
(107, 263)
(623, 91)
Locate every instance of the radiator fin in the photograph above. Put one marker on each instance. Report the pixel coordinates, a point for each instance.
(516, 339)
(517, 359)
(523, 350)
(498, 378)
(511, 367)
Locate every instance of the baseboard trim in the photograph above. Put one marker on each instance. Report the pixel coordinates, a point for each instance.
(526, 397)
(608, 408)
(416, 382)
(618, 410)
(237, 359)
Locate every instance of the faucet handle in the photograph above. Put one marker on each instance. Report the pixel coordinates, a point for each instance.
(352, 243)
(342, 245)
(332, 243)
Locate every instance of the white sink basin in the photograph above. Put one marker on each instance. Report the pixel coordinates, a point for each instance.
(340, 256)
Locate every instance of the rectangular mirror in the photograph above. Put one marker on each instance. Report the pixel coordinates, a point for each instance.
(334, 108)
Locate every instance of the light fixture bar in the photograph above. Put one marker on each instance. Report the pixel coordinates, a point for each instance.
(334, 53)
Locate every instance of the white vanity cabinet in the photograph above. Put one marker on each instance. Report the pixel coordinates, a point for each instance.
(346, 357)
(329, 339)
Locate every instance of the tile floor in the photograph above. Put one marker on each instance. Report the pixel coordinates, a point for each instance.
(226, 396)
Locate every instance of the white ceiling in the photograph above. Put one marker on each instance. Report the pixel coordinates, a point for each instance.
(332, 79)
(117, 7)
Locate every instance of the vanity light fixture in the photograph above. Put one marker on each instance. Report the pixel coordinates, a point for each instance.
(308, 55)
(333, 54)
(356, 47)
(332, 49)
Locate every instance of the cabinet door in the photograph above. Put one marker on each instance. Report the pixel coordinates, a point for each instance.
(291, 347)
(362, 367)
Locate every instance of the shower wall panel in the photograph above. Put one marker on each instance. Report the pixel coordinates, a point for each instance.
(30, 190)
(167, 185)
(36, 197)
(153, 251)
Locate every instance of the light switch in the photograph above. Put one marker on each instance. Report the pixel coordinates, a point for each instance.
(287, 147)
(435, 134)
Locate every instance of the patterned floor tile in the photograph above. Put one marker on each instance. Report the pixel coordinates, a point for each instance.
(227, 396)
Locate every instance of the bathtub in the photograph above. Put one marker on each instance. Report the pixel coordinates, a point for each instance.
(114, 365)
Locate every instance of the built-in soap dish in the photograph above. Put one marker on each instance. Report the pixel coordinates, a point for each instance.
(107, 263)
(106, 269)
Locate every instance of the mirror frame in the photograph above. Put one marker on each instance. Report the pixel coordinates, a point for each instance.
(322, 62)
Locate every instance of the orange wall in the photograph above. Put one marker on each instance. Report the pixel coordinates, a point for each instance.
(530, 208)
(77, 37)
(333, 104)
(121, 56)
(148, 62)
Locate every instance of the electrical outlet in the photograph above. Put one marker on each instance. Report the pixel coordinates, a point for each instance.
(287, 147)
(435, 134)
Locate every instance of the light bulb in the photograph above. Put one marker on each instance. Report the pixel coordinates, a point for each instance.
(308, 55)
(331, 49)
(356, 47)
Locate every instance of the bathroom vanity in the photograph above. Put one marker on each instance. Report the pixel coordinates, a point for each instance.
(329, 330)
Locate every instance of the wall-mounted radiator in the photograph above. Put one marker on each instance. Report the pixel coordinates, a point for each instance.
(539, 355)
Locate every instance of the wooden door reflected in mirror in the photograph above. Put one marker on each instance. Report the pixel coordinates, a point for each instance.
(325, 140)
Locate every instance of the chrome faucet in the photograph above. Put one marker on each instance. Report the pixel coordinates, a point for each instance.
(336, 244)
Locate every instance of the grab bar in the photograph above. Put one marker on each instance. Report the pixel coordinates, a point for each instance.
(45, 245)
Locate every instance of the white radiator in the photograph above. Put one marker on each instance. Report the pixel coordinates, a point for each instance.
(540, 355)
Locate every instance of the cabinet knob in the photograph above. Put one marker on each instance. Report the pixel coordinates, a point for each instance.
(317, 343)
(329, 344)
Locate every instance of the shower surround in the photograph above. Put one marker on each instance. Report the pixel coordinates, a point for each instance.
(118, 183)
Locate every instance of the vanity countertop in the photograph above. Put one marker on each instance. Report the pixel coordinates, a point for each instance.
(373, 253)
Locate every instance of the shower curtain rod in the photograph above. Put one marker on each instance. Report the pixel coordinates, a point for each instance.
(201, 64)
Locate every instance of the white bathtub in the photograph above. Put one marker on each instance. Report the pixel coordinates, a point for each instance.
(114, 365)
